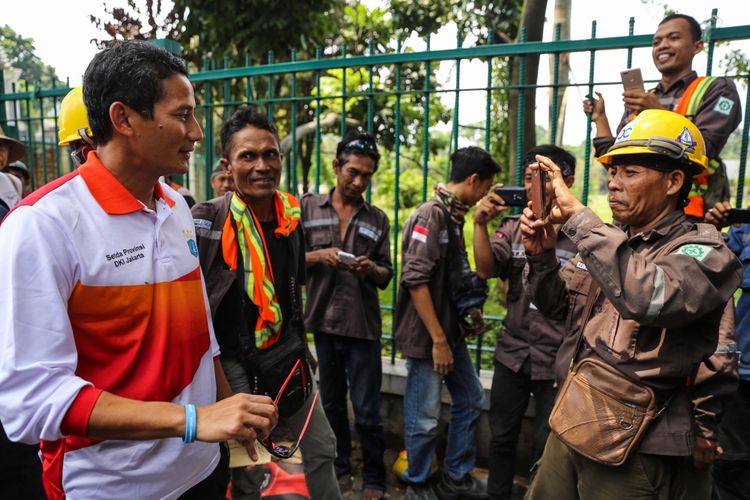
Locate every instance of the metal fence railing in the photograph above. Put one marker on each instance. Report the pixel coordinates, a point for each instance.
(394, 94)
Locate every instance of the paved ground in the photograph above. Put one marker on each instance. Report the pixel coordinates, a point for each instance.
(351, 487)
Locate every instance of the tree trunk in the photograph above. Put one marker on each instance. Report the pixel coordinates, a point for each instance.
(562, 17)
(532, 19)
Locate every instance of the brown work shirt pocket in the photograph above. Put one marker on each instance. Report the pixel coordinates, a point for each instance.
(617, 335)
(579, 281)
(320, 237)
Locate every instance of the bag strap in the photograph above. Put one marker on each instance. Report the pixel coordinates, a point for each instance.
(590, 301)
(452, 238)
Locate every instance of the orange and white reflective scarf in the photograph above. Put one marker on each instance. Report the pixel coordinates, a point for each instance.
(259, 282)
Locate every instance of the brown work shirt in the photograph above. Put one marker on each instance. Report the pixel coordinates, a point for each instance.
(657, 315)
(719, 113)
(526, 332)
(424, 251)
(340, 302)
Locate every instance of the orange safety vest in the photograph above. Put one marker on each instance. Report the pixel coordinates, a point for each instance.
(688, 107)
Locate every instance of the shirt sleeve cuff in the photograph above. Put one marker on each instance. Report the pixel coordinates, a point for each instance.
(76, 420)
(542, 262)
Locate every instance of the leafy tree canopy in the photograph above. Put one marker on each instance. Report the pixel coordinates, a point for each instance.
(19, 52)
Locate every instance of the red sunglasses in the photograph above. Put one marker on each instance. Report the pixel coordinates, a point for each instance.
(282, 450)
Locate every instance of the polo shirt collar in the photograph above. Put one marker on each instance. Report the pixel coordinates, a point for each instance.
(682, 82)
(109, 193)
(664, 227)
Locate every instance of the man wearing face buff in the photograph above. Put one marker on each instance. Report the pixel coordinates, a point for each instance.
(525, 352)
(643, 302)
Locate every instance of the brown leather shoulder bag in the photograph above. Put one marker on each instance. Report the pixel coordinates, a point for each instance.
(599, 412)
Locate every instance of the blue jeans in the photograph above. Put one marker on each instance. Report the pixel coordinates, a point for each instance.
(354, 365)
(422, 411)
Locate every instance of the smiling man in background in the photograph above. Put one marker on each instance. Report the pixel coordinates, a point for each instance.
(712, 103)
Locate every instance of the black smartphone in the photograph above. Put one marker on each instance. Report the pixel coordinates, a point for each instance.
(514, 196)
(739, 216)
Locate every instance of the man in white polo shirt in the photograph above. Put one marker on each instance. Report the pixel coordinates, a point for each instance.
(109, 357)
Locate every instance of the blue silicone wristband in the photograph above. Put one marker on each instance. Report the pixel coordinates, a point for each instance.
(195, 424)
(191, 424)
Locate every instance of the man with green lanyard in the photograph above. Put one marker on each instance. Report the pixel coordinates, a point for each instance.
(255, 232)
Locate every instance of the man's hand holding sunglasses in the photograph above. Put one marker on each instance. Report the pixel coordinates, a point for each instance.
(243, 417)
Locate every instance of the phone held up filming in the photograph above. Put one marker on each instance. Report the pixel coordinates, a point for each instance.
(538, 192)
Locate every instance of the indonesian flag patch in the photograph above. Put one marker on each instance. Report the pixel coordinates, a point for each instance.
(420, 233)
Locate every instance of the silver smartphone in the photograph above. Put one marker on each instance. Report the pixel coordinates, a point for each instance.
(347, 258)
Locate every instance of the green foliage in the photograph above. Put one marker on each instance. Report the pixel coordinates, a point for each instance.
(19, 52)
(482, 18)
(736, 61)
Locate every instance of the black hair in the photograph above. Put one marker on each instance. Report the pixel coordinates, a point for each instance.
(245, 116)
(695, 27)
(562, 158)
(358, 144)
(472, 160)
(130, 72)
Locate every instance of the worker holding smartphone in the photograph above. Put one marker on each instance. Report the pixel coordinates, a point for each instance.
(348, 259)
(711, 103)
(525, 354)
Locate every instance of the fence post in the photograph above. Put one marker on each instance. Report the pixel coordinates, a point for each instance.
(293, 130)
(587, 151)
(710, 40)
(488, 104)
(396, 187)
(317, 122)
(555, 90)
(521, 109)
(457, 99)
(426, 125)
(743, 148)
(208, 142)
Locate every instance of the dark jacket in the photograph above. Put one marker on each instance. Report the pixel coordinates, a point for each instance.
(657, 314)
(209, 218)
(526, 332)
(424, 261)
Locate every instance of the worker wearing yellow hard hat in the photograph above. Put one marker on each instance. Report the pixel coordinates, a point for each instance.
(663, 133)
(73, 126)
(661, 140)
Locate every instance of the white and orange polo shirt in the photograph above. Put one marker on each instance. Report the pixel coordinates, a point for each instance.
(99, 293)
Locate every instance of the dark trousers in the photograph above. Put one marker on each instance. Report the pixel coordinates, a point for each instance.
(563, 474)
(346, 363)
(509, 398)
(731, 474)
(20, 470)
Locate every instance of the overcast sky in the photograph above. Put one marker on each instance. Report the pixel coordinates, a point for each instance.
(62, 33)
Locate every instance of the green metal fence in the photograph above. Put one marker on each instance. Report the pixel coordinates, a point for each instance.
(393, 94)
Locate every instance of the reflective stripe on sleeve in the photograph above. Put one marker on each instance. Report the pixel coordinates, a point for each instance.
(657, 296)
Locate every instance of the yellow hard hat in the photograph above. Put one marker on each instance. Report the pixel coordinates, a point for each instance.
(664, 133)
(73, 117)
(402, 463)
